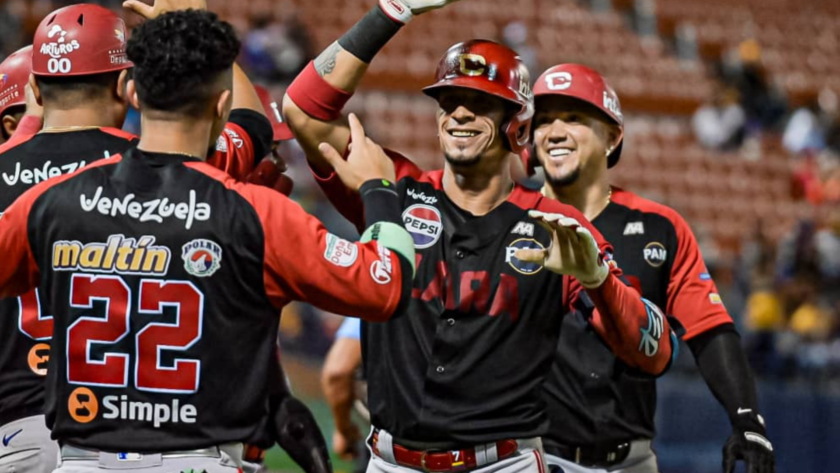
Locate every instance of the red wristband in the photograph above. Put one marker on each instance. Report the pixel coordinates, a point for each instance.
(315, 96)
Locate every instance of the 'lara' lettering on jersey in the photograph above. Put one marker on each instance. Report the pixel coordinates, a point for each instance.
(119, 255)
(474, 294)
(34, 176)
(152, 211)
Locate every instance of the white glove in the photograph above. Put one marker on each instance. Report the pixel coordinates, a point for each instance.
(404, 10)
(573, 250)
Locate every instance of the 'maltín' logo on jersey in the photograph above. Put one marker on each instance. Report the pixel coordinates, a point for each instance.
(201, 257)
(521, 266)
(424, 224)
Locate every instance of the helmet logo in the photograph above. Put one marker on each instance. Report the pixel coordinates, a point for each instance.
(58, 47)
(558, 81)
(56, 30)
(611, 104)
(472, 64)
(120, 35)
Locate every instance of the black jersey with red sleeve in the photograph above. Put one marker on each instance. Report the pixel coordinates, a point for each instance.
(591, 398)
(31, 157)
(465, 363)
(165, 278)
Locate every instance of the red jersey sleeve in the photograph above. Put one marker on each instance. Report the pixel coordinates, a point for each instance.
(692, 295)
(635, 329)
(346, 201)
(312, 265)
(245, 140)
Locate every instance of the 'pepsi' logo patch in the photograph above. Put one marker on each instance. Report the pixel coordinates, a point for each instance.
(424, 224)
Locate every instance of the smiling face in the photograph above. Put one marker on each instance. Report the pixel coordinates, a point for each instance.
(571, 138)
(469, 124)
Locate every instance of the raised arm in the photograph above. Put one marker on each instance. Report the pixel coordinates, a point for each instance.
(313, 103)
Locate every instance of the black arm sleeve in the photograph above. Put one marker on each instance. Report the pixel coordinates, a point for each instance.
(258, 129)
(724, 367)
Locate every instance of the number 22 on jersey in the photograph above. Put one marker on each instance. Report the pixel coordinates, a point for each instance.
(112, 326)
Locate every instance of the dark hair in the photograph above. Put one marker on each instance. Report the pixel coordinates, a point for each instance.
(72, 91)
(178, 57)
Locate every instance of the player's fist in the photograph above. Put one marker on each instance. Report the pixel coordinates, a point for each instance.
(573, 250)
(749, 443)
(404, 10)
(160, 7)
(269, 173)
(365, 162)
(344, 443)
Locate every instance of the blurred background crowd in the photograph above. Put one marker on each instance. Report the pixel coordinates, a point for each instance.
(732, 118)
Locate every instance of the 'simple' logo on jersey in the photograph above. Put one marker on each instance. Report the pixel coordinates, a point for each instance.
(39, 356)
(158, 414)
(119, 255)
(201, 257)
(340, 252)
(82, 405)
(649, 344)
(424, 224)
(521, 266)
(156, 210)
(36, 175)
(655, 254)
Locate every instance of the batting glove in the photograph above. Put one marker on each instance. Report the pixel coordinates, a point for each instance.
(404, 10)
(573, 250)
(749, 443)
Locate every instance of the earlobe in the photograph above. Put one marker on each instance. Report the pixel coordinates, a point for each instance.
(122, 85)
(222, 106)
(131, 92)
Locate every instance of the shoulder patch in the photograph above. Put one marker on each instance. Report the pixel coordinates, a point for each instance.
(424, 223)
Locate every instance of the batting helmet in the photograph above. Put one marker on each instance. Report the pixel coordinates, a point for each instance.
(272, 111)
(494, 69)
(582, 83)
(79, 40)
(14, 74)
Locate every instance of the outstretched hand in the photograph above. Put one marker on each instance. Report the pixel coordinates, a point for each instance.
(404, 10)
(160, 7)
(573, 250)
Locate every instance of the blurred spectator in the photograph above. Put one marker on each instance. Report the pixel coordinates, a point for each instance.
(763, 103)
(720, 124)
(276, 51)
(515, 36)
(686, 42)
(12, 14)
(808, 127)
(644, 17)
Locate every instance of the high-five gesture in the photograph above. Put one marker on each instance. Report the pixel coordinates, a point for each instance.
(573, 250)
(162, 6)
(366, 161)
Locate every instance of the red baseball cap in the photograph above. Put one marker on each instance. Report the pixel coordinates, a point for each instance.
(14, 74)
(281, 130)
(79, 40)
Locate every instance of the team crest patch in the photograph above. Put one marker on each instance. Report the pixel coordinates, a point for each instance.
(201, 257)
(424, 224)
(655, 254)
(521, 266)
(340, 252)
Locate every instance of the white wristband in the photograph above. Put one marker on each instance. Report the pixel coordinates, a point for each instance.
(396, 10)
(598, 278)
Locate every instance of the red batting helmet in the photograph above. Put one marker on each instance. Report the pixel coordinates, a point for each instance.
(582, 83)
(14, 74)
(494, 69)
(79, 40)
(272, 111)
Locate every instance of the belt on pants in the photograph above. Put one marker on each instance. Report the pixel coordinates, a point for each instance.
(599, 455)
(69, 452)
(449, 460)
(253, 454)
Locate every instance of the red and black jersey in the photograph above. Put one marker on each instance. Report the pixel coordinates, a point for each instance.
(591, 398)
(165, 278)
(29, 158)
(465, 362)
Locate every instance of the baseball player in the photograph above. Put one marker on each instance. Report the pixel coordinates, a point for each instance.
(165, 276)
(14, 75)
(290, 423)
(454, 384)
(341, 384)
(602, 414)
(84, 103)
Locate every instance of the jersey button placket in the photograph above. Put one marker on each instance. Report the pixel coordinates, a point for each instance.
(440, 369)
(460, 254)
(450, 322)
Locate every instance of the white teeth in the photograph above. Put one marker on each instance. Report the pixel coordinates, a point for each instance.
(556, 153)
(463, 134)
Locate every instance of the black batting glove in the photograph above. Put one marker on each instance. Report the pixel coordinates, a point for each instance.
(749, 443)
